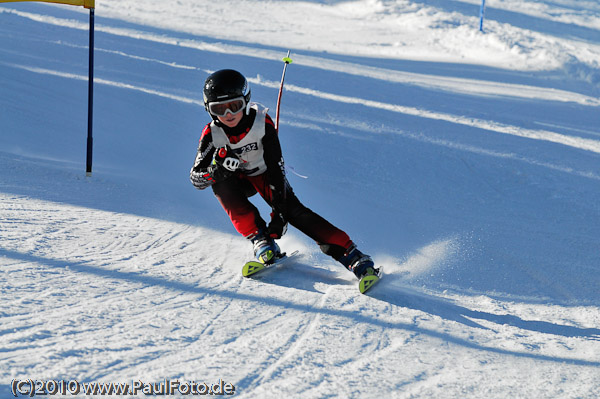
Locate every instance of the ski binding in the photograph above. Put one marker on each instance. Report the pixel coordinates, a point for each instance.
(252, 267)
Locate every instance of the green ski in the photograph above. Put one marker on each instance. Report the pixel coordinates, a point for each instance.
(368, 281)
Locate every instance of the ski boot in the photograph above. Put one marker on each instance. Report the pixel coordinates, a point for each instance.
(266, 249)
(358, 263)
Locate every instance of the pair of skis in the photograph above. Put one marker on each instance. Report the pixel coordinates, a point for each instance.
(253, 267)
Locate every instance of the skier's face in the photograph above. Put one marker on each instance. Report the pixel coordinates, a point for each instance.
(231, 120)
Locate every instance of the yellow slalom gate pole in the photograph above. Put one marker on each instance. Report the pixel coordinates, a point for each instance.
(287, 61)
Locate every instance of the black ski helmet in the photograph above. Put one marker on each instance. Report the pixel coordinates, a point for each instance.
(224, 85)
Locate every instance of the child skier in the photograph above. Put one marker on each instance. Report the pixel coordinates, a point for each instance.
(239, 155)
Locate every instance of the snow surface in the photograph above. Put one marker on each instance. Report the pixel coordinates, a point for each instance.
(464, 162)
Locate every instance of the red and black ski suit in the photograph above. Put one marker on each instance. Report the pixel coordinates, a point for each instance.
(233, 189)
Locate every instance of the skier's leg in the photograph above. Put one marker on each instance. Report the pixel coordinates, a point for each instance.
(332, 240)
(232, 193)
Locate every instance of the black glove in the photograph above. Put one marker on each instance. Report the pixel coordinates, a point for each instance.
(224, 164)
(278, 200)
(277, 226)
(219, 173)
(226, 158)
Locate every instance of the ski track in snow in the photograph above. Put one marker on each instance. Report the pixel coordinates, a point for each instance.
(295, 344)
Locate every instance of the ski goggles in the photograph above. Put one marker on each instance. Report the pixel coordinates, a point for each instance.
(221, 108)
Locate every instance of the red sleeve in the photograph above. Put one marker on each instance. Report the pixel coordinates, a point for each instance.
(205, 131)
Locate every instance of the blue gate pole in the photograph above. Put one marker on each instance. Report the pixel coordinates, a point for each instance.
(90, 139)
(481, 14)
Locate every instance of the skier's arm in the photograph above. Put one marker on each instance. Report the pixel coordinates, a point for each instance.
(276, 180)
(201, 174)
(274, 161)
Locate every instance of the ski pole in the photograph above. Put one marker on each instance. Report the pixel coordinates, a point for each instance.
(287, 61)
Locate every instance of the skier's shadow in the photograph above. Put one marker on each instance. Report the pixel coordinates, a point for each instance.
(298, 274)
(405, 296)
